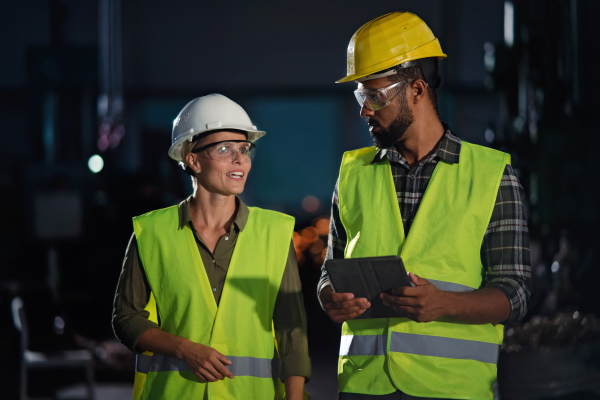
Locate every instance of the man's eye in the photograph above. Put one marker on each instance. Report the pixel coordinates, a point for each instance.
(222, 149)
(244, 150)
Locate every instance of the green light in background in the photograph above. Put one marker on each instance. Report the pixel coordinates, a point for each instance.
(95, 163)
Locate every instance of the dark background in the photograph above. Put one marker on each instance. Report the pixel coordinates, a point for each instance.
(65, 228)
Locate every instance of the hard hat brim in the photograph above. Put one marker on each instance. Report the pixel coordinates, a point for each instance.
(175, 149)
(431, 49)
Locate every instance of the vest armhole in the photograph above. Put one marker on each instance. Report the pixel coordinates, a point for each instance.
(341, 179)
(505, 162)
(349, 159)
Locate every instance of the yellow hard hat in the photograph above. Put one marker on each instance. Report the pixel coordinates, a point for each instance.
(389, 40)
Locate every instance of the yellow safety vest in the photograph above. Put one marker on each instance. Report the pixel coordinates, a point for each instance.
(435, 359)
(240, 328)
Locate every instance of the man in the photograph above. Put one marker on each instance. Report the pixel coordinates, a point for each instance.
(453, 211)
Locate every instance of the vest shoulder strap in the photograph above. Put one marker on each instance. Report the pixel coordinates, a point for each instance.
(165, 217)
(271, 216)
(359, 157)
(486, 153)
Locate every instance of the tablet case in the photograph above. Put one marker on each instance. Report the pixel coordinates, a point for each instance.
(368, 277)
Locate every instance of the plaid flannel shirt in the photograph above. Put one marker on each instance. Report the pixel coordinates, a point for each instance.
(505, 247)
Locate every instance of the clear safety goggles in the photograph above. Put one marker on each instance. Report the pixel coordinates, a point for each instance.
(376, 99)
(226, 150)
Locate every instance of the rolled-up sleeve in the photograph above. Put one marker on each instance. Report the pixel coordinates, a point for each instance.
(289, 320)
(130, 319)
(505, 248)
(336, 241)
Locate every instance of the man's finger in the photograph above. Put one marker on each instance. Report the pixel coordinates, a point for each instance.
(349, 310)
(346, 304)
(417, 280)
(406, 291)
(408, 312)
(398, 300)
(337, 297)
(348, 317)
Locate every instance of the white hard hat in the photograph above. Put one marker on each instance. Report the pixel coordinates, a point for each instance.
(213, 112)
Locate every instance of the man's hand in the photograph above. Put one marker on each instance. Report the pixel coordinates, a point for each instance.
(341, 307)
(204, 361)
(421, 303)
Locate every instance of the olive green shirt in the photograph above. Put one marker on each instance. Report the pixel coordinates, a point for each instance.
(130, 320)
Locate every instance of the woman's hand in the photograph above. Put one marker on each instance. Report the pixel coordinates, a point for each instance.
(204, 361)
(207, 363)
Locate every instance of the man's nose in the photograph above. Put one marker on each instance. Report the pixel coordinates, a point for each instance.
(365, 112)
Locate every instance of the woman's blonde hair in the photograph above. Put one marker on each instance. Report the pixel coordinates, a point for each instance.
(186, 148)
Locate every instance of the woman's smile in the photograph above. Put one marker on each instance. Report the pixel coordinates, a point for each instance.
(237, 174)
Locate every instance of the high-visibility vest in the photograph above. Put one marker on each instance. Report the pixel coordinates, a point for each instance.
(435, 359)
(240, 328)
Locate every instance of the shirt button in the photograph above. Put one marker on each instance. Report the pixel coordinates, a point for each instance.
(226, 237)
(214, 261)
(214, 289)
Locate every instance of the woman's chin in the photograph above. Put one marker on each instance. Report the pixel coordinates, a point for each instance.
(233, 190)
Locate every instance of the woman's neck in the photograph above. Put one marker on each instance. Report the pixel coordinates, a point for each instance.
(212, 211)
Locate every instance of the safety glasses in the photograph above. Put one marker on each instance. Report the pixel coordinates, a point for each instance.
(226, 150)
(376, 99)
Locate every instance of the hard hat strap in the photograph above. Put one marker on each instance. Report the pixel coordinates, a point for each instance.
(429, 69)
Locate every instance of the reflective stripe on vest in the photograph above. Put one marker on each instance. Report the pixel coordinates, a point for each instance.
(364, 345)
(450, 287)
(241, 366)
(438, 346)
(422, 345)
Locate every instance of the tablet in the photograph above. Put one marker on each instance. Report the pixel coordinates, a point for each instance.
(368, 277)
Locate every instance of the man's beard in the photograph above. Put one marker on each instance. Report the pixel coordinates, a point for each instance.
(385, 138)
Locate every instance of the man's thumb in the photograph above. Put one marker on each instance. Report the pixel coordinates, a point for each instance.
(418, 281)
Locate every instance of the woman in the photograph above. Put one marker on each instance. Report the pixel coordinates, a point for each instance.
(206, 283)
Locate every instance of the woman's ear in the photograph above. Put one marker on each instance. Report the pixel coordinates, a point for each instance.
(192, 161)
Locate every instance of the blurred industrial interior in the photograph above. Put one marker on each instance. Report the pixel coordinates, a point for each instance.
(88, 93)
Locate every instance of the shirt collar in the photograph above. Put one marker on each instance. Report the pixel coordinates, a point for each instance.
(448, 150)
(239, 222)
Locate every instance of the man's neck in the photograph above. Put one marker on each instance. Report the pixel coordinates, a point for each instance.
(420, 140)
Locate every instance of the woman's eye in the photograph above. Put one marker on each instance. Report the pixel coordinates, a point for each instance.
(244, 150)
(222, 149)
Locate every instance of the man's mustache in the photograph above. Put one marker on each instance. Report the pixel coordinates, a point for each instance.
(371, 121)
